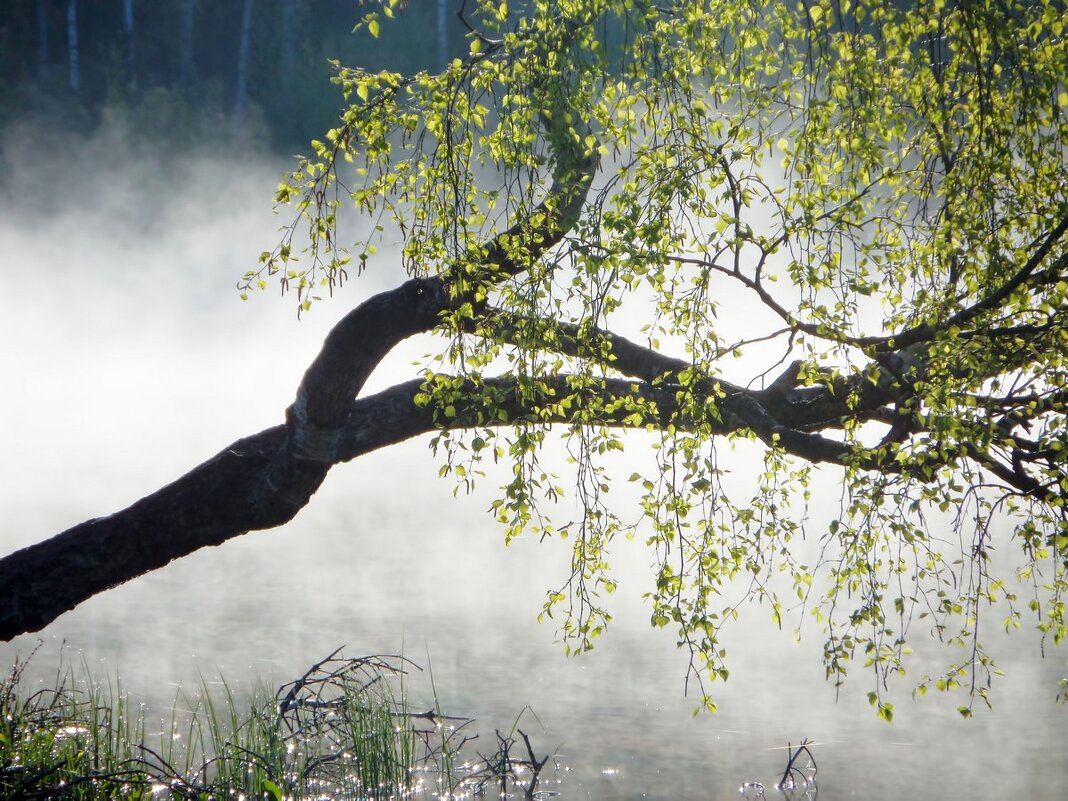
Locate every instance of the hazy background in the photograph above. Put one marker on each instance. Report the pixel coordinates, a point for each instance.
(128, 358)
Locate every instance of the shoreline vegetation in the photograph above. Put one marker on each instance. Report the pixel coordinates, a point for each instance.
(345, 728)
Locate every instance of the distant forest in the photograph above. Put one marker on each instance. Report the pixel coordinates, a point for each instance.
(189, 69)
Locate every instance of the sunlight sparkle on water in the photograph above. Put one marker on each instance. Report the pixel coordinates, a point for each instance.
(71, 731)
(752, 790)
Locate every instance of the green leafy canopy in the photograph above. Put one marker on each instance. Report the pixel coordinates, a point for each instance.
(880, 187)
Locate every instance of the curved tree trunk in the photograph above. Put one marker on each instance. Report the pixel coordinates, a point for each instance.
(262, 481)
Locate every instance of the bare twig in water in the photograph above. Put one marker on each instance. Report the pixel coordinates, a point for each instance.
(798, 776)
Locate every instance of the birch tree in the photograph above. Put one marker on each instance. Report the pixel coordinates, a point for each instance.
(883, 184)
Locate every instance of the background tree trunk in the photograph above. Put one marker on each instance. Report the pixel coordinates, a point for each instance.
(186, 69)
(288, 38)
(241, 91)
(72, 45)
(130, 54)
(42, 39)
(443, 36)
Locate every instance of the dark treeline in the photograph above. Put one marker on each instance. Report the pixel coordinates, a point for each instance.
(178, 68)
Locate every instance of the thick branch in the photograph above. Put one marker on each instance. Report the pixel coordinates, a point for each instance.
(210, 504)
(1022, 277)
(860, 395)
(264, 480)
(205, 507)
(362, 338)
(1027, 275)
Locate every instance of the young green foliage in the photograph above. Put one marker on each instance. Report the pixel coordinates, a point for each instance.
(884, 184)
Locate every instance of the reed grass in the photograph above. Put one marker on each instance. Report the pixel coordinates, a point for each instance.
(342, 730)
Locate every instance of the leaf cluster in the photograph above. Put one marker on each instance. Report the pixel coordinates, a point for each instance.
(882, 186)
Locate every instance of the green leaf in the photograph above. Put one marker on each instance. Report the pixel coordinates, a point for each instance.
(272, 789)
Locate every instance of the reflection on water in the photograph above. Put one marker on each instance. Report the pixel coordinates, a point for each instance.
(135, 361)
(798, 781)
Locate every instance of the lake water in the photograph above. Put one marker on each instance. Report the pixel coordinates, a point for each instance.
(128, 359)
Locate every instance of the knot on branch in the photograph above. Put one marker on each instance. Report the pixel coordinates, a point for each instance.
(308, 441)
(786, 381)
(791, 392)
(429, 297)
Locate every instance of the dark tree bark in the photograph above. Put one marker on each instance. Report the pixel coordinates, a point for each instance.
(262, 481)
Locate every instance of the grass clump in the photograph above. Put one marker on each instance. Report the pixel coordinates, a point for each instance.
(341, 730)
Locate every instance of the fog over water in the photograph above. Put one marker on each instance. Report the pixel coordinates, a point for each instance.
(128, 358)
